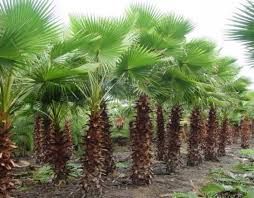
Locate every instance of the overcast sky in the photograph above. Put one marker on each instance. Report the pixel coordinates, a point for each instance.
(210, 17)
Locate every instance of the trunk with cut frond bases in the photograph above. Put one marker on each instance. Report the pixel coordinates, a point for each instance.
(47, 128)
(59, 150)
(245, 133)
(141, 134)
(211, 137)
(235, 133)
(252, 128)
(6, 163)
(203, 136)
(223, 136)
(38, 138)
(93, 160)
(160, 133)
(174, 142)
(107, 152)
(230, 134)
(194, 157)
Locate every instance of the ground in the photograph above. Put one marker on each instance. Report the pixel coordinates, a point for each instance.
(185, 180)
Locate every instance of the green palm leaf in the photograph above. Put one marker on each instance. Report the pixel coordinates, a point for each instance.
(27, 26)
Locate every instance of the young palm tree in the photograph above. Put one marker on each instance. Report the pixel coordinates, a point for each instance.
(54, 82)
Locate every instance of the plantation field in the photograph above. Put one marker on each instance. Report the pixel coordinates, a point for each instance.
(185, 179)
(128, 106)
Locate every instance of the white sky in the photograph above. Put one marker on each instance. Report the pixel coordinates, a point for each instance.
(210, 18)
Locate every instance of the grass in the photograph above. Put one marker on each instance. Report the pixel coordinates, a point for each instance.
(247, 152)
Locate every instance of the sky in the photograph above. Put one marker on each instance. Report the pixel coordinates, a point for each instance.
(211, 19)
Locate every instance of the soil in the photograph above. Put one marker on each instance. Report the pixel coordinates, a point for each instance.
(119, 186)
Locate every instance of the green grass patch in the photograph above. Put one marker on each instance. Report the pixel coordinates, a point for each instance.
(247, 152)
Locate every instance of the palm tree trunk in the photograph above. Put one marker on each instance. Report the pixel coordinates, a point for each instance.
(223, 136)
(93, 159)
(160, 133)
(107, 152)
(6, 148)
(38, 138)
(230, 134)
(194, 157)
(203, 135)
(142, 144)
(235, 133)
(47, 128)
(211, 138)
(252, 128)
(245, 133)
(174, 142)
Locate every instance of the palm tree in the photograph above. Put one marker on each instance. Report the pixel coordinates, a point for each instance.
(110, 40)
(27, 28)
(54, 79)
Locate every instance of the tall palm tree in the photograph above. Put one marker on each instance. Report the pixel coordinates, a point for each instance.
(27, 28)
(110, 40)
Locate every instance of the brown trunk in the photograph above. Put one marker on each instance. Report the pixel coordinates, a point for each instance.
(38, 138)
(203, 136)
(194, 145)
(93, 159)
(6, 163)
(107, 152)
(245, 133)
(59, 150)
(223, 138)
(252, 128)
(235, 133)
(230, 134)
(142, 144)
(48, 125)
(160, 133)
(174, 142)
(211, 138)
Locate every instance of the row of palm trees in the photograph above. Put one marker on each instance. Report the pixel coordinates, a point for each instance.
(143, 56)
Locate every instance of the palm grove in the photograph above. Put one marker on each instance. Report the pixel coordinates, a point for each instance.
(143, 59)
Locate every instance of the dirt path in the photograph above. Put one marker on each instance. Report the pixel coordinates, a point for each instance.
(163, 185)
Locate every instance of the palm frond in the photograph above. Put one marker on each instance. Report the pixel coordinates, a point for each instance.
(27, 26)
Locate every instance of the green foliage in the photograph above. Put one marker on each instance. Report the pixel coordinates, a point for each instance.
(244, 168)
(247, 152)
(242, 27)
(23, 131)
(122, 164)
(43, 174)
(75, 169)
